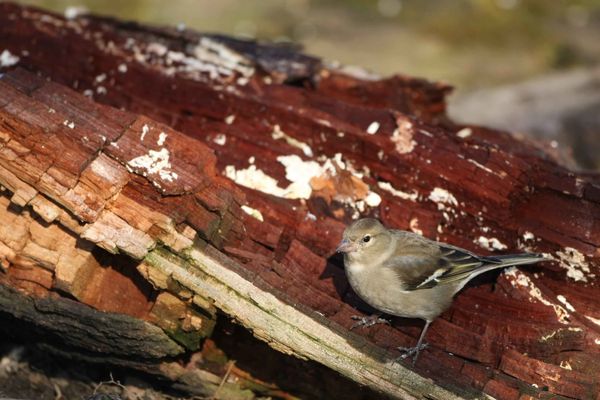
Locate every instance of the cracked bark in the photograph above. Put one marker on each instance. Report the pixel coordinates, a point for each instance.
(121, 203)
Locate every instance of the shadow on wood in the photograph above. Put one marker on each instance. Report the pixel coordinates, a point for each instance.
(225, 171)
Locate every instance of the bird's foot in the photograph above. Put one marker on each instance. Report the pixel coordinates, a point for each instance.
(368, 321)
(411, 351)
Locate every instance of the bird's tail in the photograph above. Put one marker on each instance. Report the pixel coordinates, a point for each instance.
(515, 259)
(508, 260)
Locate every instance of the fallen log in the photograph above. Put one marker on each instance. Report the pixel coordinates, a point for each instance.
(170, 176)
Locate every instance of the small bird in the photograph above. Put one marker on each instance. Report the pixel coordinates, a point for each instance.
(407, 275)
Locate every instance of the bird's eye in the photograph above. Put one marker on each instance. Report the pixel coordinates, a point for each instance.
(366, 238)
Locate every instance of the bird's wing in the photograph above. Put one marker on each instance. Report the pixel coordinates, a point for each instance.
(440, 265)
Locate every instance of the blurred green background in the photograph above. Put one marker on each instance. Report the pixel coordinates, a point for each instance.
(469, 43)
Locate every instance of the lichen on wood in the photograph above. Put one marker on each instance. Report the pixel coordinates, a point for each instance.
(214, 176)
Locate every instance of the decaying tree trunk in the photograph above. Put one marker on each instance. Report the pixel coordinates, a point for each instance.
(158, 180)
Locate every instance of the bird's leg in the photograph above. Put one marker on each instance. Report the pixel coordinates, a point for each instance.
(368, 321)
(409, 351)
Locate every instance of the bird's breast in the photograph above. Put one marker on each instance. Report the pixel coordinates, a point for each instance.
(380, 287)
(375, 285)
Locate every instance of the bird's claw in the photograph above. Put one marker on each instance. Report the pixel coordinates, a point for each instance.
(411, 351)
(368, 321)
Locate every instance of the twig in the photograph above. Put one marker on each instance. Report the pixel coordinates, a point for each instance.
(111, 382)
(58, 392)
(229, 368)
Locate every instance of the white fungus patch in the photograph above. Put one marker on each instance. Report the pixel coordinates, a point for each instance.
(526, 242)
(414, 226)
(155, 162)
(220, 139)
(73, 12)
(517, 278)
(279, 134)
(100, 78)
(216, 58)
(442, 197)
(373, 199)
(323, 122)
(255, 178)
(398, 193)
(69, 124)
(359, 207)
(122, 68)
(481, 166)
(253, 212)
(161, 138)
(545, 338)
(574, 262)
(157, 48)
(528, 236)
(310, 216)
(373, 128)
(594, 320)
(464, 133)
(299, 173)
(145, 130)
(208, 58)
(565, 303)
(490, 243)
(403, 137)
(549, 336)
(229, 119)
(242, 81)
(7, 59)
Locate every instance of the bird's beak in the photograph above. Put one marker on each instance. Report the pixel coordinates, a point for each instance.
(346, 246)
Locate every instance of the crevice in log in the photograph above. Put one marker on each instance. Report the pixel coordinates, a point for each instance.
(167, 183)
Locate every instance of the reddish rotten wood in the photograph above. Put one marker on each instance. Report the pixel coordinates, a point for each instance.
(383, 139)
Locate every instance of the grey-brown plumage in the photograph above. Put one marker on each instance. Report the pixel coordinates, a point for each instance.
(407, 275)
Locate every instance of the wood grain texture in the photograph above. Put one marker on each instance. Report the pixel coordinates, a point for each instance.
(190, 155)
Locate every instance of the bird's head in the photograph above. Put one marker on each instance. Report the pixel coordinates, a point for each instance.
(364, 235)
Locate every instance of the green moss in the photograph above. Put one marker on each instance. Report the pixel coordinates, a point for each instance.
(190, 340)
